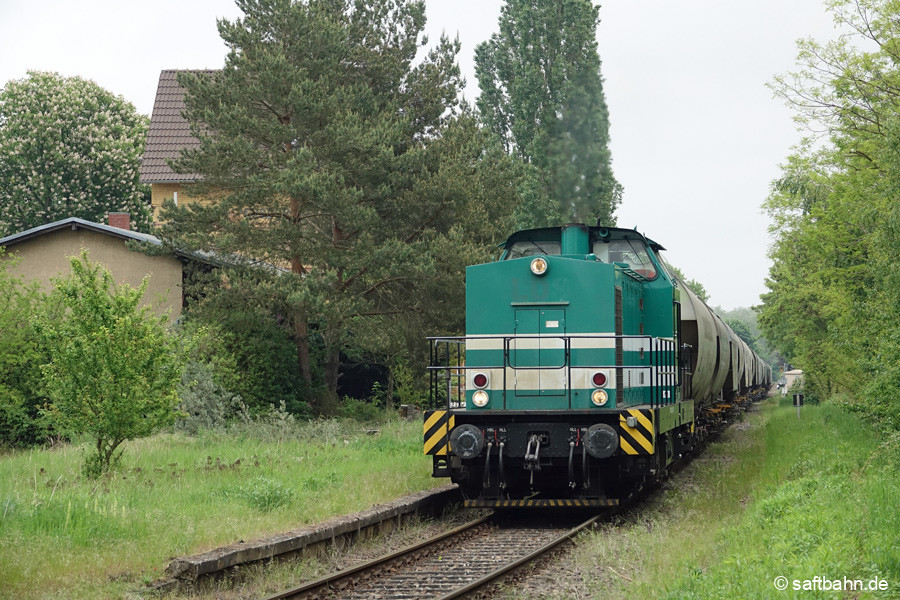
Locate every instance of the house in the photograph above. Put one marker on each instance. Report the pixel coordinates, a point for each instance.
(44, 252)
(792, 377)
(169, 133)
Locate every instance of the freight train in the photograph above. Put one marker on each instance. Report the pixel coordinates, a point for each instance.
(587, 369)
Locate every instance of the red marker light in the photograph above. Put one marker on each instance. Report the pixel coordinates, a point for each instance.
(599, 379)
(480, 380)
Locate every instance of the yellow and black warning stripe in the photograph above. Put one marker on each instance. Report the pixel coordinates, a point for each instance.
(438, 424)
(542, 503)
(640, 439)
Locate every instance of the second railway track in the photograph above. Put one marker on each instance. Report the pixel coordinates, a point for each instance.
(449, 565)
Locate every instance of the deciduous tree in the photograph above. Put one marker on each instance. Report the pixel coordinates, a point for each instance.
(832, 305)
(542, 94)
(68, 148)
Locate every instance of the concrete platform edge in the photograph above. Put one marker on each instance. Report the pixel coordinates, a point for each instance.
(187, 570)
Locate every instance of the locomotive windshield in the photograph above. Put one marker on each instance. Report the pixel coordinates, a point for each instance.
(609, 245)
(531, 248)
(633, 252)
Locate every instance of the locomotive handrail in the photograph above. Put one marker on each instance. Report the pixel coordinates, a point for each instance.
(666, 375)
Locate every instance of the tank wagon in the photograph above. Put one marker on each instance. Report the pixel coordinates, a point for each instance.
(586, 370)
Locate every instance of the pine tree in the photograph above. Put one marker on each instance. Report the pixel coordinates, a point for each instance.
(542, 94)
(327, 150)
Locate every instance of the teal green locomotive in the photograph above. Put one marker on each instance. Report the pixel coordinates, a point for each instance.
(586, 370)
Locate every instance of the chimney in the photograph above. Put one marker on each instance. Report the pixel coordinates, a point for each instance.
(122, 220)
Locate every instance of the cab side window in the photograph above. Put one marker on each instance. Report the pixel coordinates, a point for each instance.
(631, 252)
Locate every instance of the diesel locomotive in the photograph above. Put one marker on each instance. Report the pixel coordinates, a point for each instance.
(586, 370)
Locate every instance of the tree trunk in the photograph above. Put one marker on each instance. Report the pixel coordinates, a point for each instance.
(332, 366)
(300, 329)
(302, 335)
(389, 396)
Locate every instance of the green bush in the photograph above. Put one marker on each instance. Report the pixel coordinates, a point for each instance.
(18, 427)
(21, 392)
(250, 348)
(113, 369)
(882, 394)
(265, 494)
(364, 411)
(410, 386)
(204, 403)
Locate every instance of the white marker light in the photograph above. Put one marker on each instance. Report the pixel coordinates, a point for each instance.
(599, 397)
(480, 398)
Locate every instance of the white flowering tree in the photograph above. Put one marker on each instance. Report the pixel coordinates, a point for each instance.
(68, 148)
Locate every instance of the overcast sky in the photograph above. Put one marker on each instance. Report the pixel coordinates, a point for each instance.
(696, 135)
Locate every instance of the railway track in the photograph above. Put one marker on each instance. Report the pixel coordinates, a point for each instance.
(467, 558)
(449, 565)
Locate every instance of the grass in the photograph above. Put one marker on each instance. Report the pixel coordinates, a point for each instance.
(774, 496)
(64, 536)
(264, 579)
(827, 507)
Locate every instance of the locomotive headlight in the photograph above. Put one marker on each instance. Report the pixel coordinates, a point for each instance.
(480, 398)
(539, 266)
(599, 397)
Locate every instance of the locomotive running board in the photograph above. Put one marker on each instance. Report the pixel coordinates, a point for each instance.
(542, 503)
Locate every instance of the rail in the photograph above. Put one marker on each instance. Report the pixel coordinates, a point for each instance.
(326, 586)
(450, 565)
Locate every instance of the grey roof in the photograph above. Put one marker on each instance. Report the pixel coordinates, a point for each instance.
(169, 131)
(74, 223)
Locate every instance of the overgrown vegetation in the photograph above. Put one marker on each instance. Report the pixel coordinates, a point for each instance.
(243, 338)
(775, 496)
(833, 308)
(21, 391)
(62, 533)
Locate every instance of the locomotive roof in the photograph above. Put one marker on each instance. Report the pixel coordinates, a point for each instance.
(543, 232)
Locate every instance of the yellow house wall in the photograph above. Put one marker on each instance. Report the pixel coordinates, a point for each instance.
(160, 192)
(45, 257)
